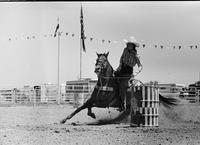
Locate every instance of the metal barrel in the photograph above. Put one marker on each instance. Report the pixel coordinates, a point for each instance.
(145, 105)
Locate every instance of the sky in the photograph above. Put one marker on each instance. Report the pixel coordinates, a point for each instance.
(35, 61)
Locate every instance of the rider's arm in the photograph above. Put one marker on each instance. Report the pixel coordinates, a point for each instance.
(123, 55)
(138, 61)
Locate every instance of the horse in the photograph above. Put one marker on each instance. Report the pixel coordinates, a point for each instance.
(106, 91)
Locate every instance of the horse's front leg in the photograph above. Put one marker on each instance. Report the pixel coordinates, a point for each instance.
(74, 113)
(90, 113)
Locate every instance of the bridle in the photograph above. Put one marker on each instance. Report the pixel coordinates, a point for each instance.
(100, 70)
(101, 64)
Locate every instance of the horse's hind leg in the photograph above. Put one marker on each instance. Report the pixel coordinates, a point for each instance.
(74, 113)
(90, 113)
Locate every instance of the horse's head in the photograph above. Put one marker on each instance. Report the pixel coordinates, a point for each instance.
(101, 64)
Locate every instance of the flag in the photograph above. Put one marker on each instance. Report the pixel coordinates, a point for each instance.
(82, 30)
(57, 27)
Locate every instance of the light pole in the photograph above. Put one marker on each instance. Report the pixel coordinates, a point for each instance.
(58, 73)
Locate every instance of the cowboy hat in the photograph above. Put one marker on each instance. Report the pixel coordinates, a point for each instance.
(132, 40)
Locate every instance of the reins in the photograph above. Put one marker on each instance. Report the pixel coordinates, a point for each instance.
(101, 76)
(132, 81)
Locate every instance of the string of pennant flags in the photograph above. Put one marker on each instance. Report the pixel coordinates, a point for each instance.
(67, 34)
(51, 35)
(92, 39)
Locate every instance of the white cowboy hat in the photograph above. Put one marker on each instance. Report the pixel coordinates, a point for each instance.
(132, 40)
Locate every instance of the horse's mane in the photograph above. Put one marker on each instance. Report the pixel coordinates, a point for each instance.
(110, 66)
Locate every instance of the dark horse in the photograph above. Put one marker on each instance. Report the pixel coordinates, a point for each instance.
(106, 91)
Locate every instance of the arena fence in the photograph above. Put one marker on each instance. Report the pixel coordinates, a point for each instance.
(76, 99)
(41, 95)
(48, 94)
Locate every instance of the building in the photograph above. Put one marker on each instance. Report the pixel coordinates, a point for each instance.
(78, 91)
(170, 89)
(193, 95)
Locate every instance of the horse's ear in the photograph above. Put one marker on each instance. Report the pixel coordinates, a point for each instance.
(97, 54)
(107, 54)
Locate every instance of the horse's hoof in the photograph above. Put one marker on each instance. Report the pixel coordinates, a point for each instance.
(92, 115)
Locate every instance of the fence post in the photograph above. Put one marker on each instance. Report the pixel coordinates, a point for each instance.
(13, 96)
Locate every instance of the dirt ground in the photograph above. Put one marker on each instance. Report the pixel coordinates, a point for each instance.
(39, 125)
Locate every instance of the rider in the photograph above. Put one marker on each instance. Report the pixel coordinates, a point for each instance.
(128, 60)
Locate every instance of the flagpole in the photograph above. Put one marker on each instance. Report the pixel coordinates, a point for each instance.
(80, 75)
(59, 33)
(80, 60)
(82, 43)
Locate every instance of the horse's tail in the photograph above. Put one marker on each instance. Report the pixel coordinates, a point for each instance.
(168, 102)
